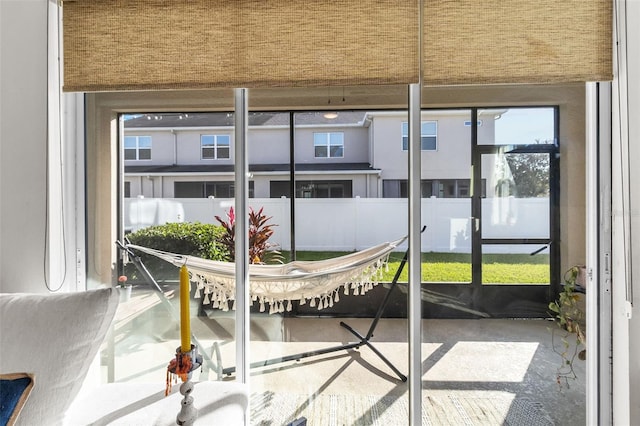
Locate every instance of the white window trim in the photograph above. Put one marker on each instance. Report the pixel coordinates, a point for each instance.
(215, 146)
(137, 147)
(328, 144)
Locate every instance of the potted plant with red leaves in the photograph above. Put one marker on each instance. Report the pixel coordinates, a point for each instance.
(261, 251)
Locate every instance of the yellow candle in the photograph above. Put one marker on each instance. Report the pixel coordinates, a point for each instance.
(185, 320)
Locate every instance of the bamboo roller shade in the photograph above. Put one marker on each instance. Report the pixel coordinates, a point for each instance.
(517, 41)
(115, 45)
(183, 44)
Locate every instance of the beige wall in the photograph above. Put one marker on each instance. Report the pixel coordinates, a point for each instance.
(162, 151)
(268, 145)
(265, 145)
(451, 159)
(355, 145)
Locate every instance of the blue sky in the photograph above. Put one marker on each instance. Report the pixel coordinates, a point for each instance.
(524, 126)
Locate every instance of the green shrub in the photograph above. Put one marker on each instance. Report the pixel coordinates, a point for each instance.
(196, 239)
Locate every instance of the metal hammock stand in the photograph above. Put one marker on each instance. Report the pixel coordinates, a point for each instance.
(363, 340)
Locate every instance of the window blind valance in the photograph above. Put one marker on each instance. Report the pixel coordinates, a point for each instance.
(193, 44)
(116, 45)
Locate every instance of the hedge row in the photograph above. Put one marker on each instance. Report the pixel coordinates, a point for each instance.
(193, 238)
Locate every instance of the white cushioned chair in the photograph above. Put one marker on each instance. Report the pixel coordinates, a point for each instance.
(56, 337)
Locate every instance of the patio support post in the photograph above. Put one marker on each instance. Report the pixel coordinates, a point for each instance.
(241, 121)
(415, 276)
(414, 302)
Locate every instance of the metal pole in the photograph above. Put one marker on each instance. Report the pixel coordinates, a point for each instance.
(414, 302)
(292, 181)
(242, 235)
(415, 271)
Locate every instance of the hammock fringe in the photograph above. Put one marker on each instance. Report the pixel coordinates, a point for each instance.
(280, 285)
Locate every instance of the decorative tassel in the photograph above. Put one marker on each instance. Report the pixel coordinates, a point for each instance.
(219, 291)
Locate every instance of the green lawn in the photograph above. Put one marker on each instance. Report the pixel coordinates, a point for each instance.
(455, 267)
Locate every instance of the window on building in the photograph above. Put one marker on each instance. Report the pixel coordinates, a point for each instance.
(127, 190)
(328, 144)
(451, 188)
(207, 189)
(439, 188)
(428, 137)
(313, 189)
(215, 147)
(137, 147)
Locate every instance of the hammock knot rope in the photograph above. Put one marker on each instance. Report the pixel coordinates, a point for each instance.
(279, 285)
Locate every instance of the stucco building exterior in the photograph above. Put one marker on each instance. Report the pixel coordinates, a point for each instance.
(354, 154)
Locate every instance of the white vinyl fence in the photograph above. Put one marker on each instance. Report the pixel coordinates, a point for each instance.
(357, 223)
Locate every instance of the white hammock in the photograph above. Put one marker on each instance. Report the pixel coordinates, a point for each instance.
(317, 281)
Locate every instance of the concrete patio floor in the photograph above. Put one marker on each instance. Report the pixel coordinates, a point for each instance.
(499, 359)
